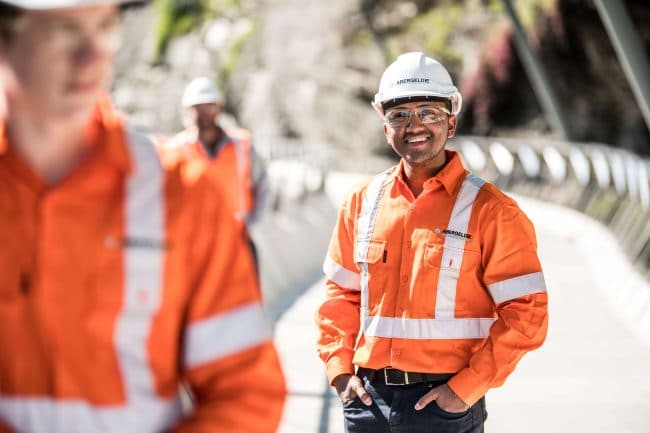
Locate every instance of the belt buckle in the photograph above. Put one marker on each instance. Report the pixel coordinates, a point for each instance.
(404, 376)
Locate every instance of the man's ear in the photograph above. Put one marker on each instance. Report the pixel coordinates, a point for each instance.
(451, 126)
(386, 133)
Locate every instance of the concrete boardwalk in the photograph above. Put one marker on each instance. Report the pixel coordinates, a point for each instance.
(592, 375)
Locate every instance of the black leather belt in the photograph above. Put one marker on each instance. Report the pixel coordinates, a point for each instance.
(399, 377)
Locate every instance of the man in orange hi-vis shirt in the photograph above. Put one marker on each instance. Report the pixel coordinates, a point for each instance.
(226, 155)
(121, 279)
(434, 287)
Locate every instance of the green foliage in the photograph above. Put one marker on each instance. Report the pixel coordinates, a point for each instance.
(174, 18)
(178, 17)
(232, 56)
(529, 11)
(363, 38)
(430, 32)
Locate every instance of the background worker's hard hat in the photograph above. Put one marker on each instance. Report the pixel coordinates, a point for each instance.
(414, 75)
(63, 4)
(201, 91)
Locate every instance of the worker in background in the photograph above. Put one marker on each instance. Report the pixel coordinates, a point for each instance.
(227, 154)
(434, 287)
(121, 278)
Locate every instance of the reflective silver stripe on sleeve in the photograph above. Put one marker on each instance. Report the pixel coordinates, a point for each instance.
(452, 255)
(341, 276)
(225, 334)
(517, 287)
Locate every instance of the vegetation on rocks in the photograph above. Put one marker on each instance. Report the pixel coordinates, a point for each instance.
(307, 69)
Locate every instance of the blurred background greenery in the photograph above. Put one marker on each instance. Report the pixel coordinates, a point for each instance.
(308, 69)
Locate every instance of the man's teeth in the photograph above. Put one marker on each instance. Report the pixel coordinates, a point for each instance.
(417, 139)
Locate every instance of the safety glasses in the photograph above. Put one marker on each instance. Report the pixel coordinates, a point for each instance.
(426, 115)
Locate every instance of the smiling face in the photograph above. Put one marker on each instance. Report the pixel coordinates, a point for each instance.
(59, 61)
(421, 145)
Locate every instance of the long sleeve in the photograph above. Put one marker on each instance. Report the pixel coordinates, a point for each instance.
(338, 316)
(229, 360)
(513, 276)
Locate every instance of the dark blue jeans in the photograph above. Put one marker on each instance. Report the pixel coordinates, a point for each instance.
(393, 410)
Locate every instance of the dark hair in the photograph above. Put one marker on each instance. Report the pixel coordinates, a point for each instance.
(397, 101)
(8, 15)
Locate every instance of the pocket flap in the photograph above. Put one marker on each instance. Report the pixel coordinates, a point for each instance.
(369, 251)
(447, 257)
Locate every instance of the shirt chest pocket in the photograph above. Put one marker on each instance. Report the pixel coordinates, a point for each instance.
(370, 257)
(143, 280)
(128, 278)
(370, 252)
(450, 258)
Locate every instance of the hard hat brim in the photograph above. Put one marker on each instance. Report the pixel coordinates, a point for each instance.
(417, 93)
(199, 101)
(454, 97)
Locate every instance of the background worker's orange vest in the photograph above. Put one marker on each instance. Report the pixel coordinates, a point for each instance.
(231, 166)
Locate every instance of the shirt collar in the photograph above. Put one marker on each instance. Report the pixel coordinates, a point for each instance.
(450, 176)
(200, 148)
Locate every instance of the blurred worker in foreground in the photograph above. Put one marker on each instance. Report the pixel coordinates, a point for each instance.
(434, 287)
(121, 279)
(226, 154)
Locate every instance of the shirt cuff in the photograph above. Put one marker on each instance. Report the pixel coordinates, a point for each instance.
(337, 366)
(468, 386)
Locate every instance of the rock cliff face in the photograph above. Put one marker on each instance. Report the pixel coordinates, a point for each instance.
(308, 69)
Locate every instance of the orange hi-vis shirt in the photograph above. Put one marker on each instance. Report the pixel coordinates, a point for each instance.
(448, 282)
(119, 283)
(235, 165)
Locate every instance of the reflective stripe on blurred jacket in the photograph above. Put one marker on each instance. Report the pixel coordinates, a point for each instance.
(120, 282)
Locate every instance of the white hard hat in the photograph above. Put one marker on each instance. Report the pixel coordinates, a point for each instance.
(414, 75)
(62, 4)
(201, 91)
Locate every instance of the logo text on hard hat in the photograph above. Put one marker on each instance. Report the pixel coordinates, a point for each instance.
(412, 80)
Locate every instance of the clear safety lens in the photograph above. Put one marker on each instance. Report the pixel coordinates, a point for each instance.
(427, 115)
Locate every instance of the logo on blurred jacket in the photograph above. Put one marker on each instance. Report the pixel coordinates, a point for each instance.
(135, 242)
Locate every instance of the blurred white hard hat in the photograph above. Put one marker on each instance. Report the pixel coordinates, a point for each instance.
(62, 4)
(201, 91)
(416, 76)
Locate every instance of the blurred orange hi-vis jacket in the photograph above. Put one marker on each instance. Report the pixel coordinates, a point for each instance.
(449, 282)
(236, 166)
(118, 284)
